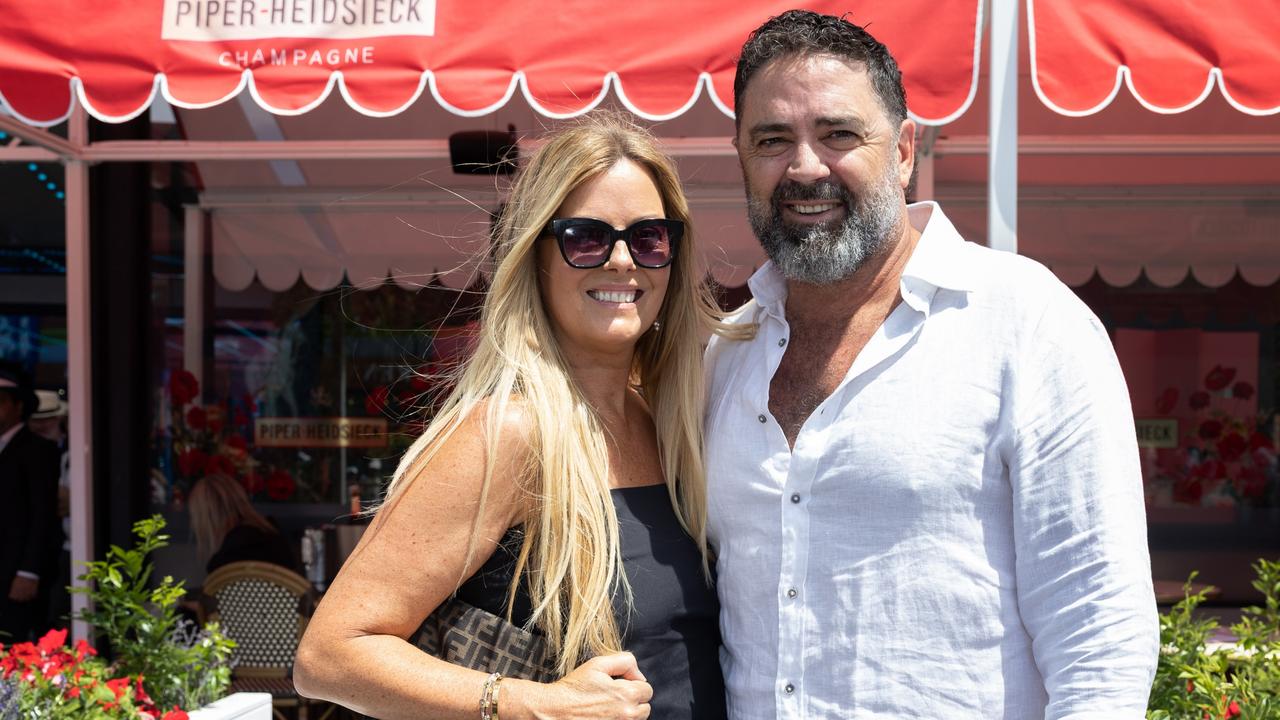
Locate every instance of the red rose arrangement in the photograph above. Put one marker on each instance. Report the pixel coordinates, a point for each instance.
(1229, 455)
(202, 441)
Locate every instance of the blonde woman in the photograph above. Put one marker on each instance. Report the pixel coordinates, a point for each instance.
(565, 470)
(228, 529)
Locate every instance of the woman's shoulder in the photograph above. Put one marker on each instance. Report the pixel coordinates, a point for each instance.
(505, 426)
(489, 441)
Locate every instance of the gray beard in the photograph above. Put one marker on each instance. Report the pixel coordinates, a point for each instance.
(828, 252)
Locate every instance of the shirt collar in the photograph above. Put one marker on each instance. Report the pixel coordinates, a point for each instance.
(937, 262)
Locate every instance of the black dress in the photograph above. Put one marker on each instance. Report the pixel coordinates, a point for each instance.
(246, 542)
(673, 628)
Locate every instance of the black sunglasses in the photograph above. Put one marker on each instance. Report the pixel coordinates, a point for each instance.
(588, 243)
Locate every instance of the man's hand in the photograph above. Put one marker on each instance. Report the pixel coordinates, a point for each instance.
(23, 589)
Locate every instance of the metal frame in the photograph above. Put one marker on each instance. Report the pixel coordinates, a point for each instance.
(79, 377)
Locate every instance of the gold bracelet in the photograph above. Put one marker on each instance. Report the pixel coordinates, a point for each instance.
(497, 685)
(489, 697)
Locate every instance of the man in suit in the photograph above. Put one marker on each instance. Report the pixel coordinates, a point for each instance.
(29, 469)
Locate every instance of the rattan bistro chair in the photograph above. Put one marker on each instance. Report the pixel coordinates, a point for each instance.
(264, 608)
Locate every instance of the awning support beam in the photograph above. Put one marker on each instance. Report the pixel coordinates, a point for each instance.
(79, 376)
(62, 148)
(1002, 158)
(193, 320)
(198, 150)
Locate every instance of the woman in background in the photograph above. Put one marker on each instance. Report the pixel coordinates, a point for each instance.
(228, 529)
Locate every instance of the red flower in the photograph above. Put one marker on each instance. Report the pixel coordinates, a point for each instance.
(84, 650)
(238, 444)
(52, 641)
(1187, 491)
(1210, 429)
(252, 482)
(1209, 470)
(280, 485)
(1219, 378)
(141, 694)
(375, 403)
(1232, 710)
(1242, 390)
(118, 686)
(183, 387)
(1231, 447)
(192, 462)
(196, 418)
(1198, 400)
(175, 714)
(1252, 483)
(216, 423)
(1167, 400)
(221, 465)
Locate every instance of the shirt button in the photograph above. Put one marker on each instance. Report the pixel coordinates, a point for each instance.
(791, 593)
(782, 342)
(795, 498)
(762, 418)
(789, 688)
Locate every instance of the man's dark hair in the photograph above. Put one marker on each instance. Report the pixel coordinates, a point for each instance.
(804, 32)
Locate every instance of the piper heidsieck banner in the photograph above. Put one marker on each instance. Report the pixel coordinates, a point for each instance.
(659, 56)
(315, 432)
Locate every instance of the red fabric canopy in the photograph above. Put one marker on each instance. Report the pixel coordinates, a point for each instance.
(472, 55)
(1170, 54)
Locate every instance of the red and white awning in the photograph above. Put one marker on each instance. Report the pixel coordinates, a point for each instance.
(1171, 55)
(413, 248)
(473, 56)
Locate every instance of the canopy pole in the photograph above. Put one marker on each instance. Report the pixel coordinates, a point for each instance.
(193, 293)
(79, 370)
(1002, 157)
(925, 155)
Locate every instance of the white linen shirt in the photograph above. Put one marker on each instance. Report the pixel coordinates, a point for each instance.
(959, 531)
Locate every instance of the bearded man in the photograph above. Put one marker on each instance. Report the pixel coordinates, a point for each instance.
(924, 485)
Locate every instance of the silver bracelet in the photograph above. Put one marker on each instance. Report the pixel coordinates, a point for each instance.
(489, 697)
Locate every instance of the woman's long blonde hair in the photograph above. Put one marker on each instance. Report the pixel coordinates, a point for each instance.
(217, 504)
(570, 557)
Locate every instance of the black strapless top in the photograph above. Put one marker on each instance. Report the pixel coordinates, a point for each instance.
(673, 628)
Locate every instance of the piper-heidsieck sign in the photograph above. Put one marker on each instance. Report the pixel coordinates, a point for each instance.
(216, 20)
(349, 432)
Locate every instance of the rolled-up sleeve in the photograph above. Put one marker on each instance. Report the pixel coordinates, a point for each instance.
(1083, 568)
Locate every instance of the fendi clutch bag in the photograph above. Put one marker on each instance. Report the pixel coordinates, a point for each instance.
(465, 635)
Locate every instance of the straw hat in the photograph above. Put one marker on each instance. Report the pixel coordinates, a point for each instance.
(49, 405)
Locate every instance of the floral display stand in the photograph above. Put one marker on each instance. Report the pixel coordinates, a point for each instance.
(237, 706)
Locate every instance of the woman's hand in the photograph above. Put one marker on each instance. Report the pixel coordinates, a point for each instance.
(609, 687)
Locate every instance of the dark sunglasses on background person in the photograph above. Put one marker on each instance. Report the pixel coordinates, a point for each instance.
(587, 243)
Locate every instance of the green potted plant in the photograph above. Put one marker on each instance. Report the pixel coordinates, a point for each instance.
(165, 666)
(1198, 679)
